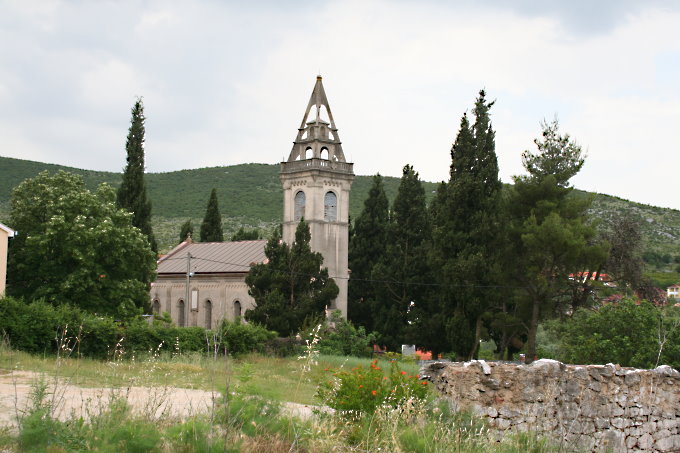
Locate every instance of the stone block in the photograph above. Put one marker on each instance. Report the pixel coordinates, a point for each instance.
(671, 443)
(645, 442)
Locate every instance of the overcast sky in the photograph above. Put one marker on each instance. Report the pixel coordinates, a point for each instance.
(227, 82)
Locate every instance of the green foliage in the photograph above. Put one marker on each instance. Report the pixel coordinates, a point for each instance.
(466, 238)
(291, 286)
(211, 228)
(76, 247)
(550, 237)
(243, 235)
(340, 337)
(362, 390)
(402, 276)
(239, 338)
(366, 248)
(624, 333)
(132, 191)
(186, 230)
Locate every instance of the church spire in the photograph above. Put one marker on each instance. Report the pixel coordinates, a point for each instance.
(317, 137)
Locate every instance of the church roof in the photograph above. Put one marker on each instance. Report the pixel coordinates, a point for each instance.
(213, 257)
(10, 232)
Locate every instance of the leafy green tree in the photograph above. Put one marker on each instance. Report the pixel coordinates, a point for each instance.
(211, 228)
(466, 231)
(186, 230)
(551, 238)
(291, 285)
(246, 235)
(402, 277)
(366, 248)
(627, 333)
(132, 191)
(77, 247)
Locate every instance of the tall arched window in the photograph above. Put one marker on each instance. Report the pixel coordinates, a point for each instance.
(330, 207)
(180, 313)
(156, 307)
(299, 206)
(237, 310)
(208, 314)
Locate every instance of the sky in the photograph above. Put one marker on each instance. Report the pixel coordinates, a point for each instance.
(225, 82)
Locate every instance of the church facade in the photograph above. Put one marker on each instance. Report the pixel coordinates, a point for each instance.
(200, 284)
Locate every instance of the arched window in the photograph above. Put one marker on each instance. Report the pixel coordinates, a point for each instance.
(237, 310)
(324, 153)
(180, 313)
(208, 314)
(299, 206)
(156, 307)
(309, 153)
(330, 207)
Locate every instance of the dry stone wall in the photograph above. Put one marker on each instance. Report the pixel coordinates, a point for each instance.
(586, 408)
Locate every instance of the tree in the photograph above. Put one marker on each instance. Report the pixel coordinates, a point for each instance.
(550, 236)
(186, 230)
(132, 191)
(243, 235)
(211, 228)
(466, 233)
(366, 248)
(402, 276)
(291, 285)
(77, 247)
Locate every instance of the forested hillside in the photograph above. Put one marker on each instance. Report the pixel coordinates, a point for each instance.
(250, 195)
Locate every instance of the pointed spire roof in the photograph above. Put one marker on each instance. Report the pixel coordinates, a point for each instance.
(317, 136)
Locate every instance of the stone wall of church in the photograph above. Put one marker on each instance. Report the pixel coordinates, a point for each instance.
(589, 408)
(215, 298)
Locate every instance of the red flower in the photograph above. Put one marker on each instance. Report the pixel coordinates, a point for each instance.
(361, 386)
(403, 372)
(374, 392)
(424, 382)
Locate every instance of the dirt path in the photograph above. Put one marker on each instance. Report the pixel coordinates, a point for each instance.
(69, 400)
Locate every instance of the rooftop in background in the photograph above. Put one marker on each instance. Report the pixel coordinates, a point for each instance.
(213, 257)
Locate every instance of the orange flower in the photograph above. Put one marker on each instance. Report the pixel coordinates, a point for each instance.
(424, 382)
(403, 372)
(361, 386)
(384, 378)
(374, 392)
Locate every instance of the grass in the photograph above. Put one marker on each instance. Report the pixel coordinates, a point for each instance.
(249, 418)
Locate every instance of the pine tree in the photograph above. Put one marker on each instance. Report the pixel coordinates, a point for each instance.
(366, 249)
(186, 230)
(211, 228)
(550, 237)
(402, 276)
(291, 286)
(131, 194)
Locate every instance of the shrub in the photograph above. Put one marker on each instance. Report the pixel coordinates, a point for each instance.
(240, 338)
(362, 390)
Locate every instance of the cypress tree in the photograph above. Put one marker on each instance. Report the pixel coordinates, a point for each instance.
(211, 228)
(466, 238)
(402, 276)
(131, 194)
(366, 248)
(186, 230)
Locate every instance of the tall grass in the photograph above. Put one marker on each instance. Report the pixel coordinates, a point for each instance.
(250, 414)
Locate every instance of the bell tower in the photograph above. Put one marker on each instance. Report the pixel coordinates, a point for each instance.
(316, 181)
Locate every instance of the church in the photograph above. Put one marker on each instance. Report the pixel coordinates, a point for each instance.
(200, 284)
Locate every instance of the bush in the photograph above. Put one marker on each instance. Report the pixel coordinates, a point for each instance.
(362, 390)
(240, 338)
(339, 336)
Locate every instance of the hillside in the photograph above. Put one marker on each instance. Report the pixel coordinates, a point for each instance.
(250, 195)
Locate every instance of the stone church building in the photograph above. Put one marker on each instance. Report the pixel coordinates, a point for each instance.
(199, 284)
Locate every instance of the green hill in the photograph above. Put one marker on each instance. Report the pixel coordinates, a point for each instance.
(250, 195)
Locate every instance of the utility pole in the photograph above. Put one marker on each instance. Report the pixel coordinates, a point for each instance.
(186, 299)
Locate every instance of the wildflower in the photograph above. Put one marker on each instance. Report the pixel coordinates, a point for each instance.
(403, 372)
(424, 382)
(361, 385)
(374, 393)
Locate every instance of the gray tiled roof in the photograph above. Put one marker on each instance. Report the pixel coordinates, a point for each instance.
(213, 257)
